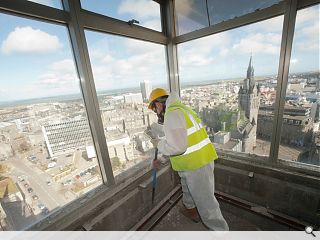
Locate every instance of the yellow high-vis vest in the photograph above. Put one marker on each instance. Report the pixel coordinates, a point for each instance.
(200, 150)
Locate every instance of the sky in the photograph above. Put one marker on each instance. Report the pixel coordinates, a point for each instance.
(36, 58)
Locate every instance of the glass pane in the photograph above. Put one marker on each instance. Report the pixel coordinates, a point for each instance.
(49, 3)
(190, 15)
(125, 70)
(146, 12)
(229, 79)
(220, 11)
(46, 153)
(300, 136)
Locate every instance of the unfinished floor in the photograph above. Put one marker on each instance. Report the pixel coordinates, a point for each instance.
(237, 219)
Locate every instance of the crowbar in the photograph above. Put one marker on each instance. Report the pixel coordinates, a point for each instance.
(154, 176)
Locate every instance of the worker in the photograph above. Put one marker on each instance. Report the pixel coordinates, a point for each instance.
(191, 154)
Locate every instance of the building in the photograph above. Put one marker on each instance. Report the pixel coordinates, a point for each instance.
(11, 201)
(146, 88)
(238, 126)
(64, 136)
(249, 102)
(315, 111)
(297, 125)
(223, 140)
(133, 98)
(296, 129)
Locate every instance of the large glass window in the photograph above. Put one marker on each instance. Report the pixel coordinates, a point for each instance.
(46, 150)
(220, 11)
(229, 79)
(192, 15)
(146, 12)
(300, 136)
(125, 71)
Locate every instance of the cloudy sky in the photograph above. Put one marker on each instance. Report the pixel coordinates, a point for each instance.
(36, 59)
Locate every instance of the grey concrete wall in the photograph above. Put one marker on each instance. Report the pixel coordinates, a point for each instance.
(294, 194)
(128, 206)
(127, 210)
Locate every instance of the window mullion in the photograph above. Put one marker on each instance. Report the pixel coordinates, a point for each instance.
(283, 71)
(84, 69)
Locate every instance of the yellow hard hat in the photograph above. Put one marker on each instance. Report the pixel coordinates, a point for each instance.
(156, 93)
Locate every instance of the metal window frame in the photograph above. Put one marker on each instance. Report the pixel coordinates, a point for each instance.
(34, 11)
(96, 22)
(282, 81)
(89, 20)
(250, 18)
(82, 60)
(78, 19)
(288, 8)
(171, 47)
(270, 12)
(306, 3)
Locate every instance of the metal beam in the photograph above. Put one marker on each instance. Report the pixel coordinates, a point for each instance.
(249, 18)
(82, 59)
(101, 23)
(171, 48)
(160, 1)
(283, 72)
(34, 10)
(306, 3)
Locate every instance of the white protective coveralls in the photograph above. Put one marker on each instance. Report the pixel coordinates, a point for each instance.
(197, 185)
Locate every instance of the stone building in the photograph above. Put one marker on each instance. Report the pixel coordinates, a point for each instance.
(249, 102)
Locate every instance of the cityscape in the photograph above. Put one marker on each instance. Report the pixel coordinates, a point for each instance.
(47, 156)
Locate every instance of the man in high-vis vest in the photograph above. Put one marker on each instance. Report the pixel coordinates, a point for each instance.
(191, 154)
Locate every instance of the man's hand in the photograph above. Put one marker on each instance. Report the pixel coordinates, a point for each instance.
(156, 164)
(155, 142)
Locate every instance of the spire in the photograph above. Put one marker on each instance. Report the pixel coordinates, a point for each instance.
(250, 75)
(250, 71)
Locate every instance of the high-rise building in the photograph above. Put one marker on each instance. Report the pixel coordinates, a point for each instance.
(67, 135)
(146, 89)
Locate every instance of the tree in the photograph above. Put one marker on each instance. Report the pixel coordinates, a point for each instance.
(24, 146)
(115, 162)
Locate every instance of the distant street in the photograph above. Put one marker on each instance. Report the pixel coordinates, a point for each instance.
(37, 181)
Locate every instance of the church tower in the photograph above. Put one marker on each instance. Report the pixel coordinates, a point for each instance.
(249, 96)
(249, 102)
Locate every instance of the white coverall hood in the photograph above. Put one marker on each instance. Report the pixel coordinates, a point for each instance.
(173, 97)
(175, 141)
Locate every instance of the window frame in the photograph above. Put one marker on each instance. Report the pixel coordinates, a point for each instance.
(289, 9)
(168, 37)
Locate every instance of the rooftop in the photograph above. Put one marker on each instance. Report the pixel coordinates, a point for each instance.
(7, 187)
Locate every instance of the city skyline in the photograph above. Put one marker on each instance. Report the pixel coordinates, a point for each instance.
(121, 91)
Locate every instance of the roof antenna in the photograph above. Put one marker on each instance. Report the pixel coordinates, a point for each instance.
(132, 21)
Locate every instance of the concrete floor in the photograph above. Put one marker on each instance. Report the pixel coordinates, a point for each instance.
(175, 221)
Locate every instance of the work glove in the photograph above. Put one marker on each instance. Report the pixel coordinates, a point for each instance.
(155, 142)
